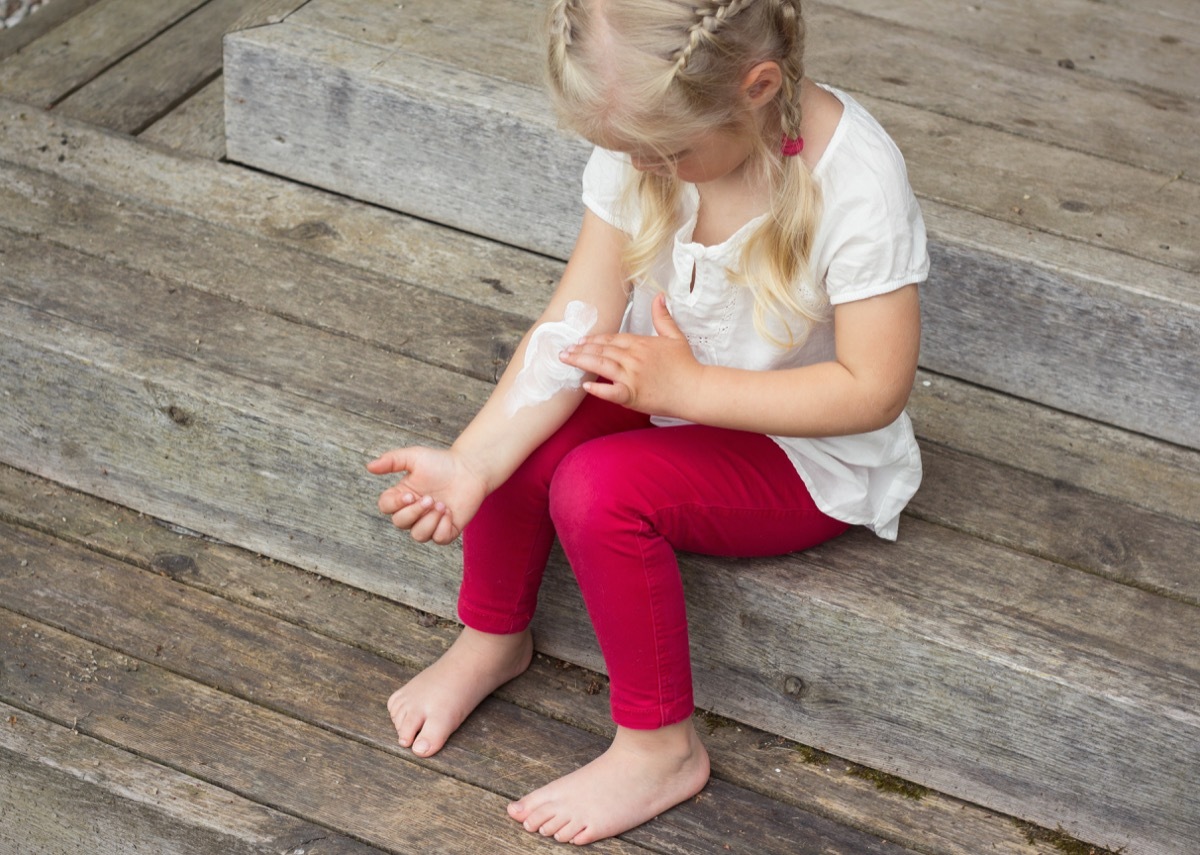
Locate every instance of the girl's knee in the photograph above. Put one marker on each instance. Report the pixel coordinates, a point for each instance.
(589, 489)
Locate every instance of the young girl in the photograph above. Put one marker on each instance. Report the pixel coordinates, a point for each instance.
(748, 261)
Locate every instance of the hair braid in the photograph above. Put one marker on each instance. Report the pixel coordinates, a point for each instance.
(709, 18)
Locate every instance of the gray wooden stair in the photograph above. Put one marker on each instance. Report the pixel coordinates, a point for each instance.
(1061, 201)
(284, 335)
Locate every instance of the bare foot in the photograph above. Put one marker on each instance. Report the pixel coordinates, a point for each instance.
(431, 706)
(642, 773)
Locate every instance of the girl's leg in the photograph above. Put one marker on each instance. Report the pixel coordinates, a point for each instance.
(506, 545)
(622, 505)
(505, 549)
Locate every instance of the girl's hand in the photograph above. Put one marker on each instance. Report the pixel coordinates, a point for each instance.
(436, 498)
(650, 374)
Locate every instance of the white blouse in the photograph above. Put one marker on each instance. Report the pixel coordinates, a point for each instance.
(870, 240)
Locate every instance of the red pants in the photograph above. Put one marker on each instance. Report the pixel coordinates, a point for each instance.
(622, 496)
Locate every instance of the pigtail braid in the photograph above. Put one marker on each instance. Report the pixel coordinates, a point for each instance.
(776, 260)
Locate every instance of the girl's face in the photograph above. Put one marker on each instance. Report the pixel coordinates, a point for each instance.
(708, 157)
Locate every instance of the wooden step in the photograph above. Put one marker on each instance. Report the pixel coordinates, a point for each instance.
(1059, 202)
(283, 336)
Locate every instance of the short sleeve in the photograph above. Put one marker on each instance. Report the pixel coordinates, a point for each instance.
(604, 181)
(875, 241)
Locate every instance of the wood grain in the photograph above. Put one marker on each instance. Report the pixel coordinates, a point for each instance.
(146, 85)
(66, 792)
(238, 745)
(742, 755)
(239, 651)
(197, 126)
(49, 16)
(67, 57)
(106, 184)
(871, 632)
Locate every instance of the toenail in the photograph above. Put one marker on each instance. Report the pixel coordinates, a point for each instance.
(421, 746)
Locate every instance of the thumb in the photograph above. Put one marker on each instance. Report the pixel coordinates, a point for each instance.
(396, 460)
(664, 324)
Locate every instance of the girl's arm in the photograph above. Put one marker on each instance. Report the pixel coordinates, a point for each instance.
(442, 489)
(864, 388)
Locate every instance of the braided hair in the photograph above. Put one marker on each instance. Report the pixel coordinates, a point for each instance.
(645, 74)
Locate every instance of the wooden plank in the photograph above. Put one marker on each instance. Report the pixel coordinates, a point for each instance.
(238, 745)
(34, 27)
(994, 86)
(66, 792)
(505, 750)
(227, 336)
(1087, 198)
(278, 214)
(196, 127)
(934, 824)
(1149, 44)
(58, 63)
(150, 82)
(259, 13)
(1060, 522)
(882, 630)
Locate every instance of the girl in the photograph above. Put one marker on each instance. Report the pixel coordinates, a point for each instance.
(749, 258)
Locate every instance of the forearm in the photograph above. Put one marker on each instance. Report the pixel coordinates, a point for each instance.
(825, 399)
(495, 443)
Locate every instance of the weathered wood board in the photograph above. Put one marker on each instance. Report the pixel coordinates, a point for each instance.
(744, 756)
(67, 57)
(148, 83)
(1149, 44)
(1112, 350)
(67, 792)
(873, 634)
(34, 27)
(998, 80)
(197, 126)
(239, 745)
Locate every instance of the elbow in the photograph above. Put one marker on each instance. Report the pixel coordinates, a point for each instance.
(886, 405)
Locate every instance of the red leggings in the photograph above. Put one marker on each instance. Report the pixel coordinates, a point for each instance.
(622, 496)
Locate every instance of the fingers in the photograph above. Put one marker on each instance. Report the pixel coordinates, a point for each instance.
(664, 324)
(617, 393)
(424, 518)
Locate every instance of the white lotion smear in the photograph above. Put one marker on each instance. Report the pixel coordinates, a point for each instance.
(544, 375)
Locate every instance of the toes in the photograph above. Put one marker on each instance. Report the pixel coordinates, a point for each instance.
(431, 739)
(569, 832)
(552, 826)
(406, 720)
(538, 817)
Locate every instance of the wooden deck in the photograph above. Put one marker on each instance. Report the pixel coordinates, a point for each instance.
(196, 358)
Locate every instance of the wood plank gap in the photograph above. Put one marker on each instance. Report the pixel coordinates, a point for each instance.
(95, 797)
(180, 100)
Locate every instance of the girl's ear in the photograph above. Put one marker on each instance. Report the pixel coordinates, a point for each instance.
(762, 83)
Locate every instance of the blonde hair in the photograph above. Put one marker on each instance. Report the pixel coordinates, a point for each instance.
(648, 73)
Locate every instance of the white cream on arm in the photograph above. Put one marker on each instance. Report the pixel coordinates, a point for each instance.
(543, 375)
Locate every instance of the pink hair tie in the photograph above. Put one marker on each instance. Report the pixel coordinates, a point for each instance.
(792, 146)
